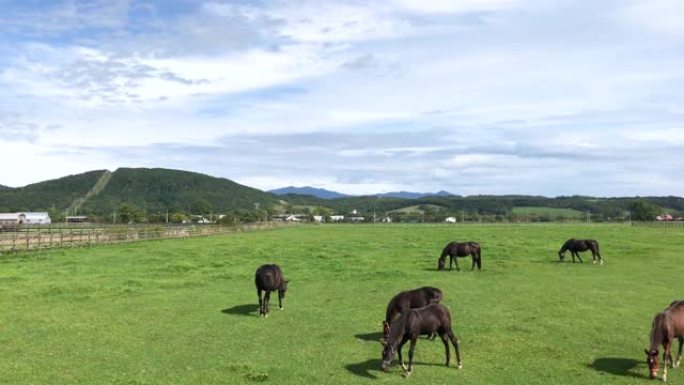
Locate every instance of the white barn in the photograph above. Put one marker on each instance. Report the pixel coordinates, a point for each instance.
(25, 218)
(450, 220)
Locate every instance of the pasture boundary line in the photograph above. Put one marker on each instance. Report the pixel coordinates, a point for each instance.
(59, 237)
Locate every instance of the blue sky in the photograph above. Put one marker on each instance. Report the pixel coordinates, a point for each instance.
(470, 96)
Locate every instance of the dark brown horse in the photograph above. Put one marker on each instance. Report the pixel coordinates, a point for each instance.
(269, 278)
(409, 300)
(575, 246)
(667, 325)
(428, 320)
(455, 250)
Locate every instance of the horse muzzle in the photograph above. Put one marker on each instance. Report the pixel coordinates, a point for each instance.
(385, 366)
(654, 374)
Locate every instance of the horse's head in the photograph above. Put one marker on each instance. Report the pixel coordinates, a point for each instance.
(652, 361)
(387, 356)
(440, 263)
(561, 256)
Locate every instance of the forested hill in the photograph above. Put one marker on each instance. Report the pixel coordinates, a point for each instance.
(139, 189)
(56, 194)
(158, 190)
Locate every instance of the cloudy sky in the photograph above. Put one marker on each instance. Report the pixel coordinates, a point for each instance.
(471, 96)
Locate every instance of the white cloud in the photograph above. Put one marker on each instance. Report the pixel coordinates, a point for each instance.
(661, 16)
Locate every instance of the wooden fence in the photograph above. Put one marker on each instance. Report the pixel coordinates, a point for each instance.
(49, 237)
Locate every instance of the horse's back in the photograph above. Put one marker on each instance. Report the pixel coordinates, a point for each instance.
(268, 277)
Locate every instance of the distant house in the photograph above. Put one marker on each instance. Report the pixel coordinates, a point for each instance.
(337, 218)
(357, 218)
(26, 218)
(664, 217)
(293, 218)
(318, 218)
(77, 219)
(450, 220)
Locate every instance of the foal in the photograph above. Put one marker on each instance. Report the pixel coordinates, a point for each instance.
(269, 278)
(667, 325)
(409, 300)
(434, 318)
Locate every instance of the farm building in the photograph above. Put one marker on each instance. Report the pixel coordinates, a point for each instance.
(27, 218)
(450, 220)
(337, 218)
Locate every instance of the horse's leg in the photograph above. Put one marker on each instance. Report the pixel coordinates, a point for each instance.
(267, 298)
(456, 261)
(261, 305)
(412, 348)
(578, 256)
(679, 354)
(666, 354)
(280, 299)
(451, 261)
(445, 339)
(401, 345)
(457, 346)
(472, 256)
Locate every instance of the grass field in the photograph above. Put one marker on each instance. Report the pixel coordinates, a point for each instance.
(185, 311)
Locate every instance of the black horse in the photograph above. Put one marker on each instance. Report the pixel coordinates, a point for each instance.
(409, 300)
(455, 250)
(579, 245)
(428, 320)
(269, 278)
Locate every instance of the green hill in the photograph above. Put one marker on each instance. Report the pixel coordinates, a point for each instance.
(56, 194)
(158, 190)
(550, 212)
(150, 190)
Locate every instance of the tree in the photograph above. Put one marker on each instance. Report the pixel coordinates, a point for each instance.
(643, 210)
(129, 213)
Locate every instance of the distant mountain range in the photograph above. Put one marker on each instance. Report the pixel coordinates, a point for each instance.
(328, 194)
(413, 195)
(308, 190)
(155, 191)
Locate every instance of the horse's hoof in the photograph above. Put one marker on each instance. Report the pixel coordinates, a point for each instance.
(403, 366)
(281, 308)
(407, 374)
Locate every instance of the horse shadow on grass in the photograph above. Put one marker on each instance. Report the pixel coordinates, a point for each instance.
(367, 369)
(246, 309)
(377, 336)
(618, 366)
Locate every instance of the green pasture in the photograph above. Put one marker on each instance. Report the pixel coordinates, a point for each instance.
(185, 311)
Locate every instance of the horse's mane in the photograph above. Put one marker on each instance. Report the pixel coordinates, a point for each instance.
(397, 329)
(659, 329)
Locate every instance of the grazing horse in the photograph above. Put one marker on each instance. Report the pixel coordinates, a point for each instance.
(409, 300)
(428, 320)
(667, 325)
(579, 245)
(269, 278)
(455, 250)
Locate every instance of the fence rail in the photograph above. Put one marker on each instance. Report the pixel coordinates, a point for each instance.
(50, 237)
